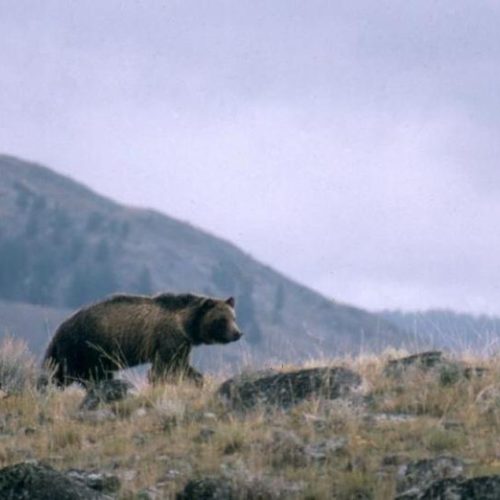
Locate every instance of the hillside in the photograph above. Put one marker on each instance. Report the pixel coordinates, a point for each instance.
(444, 329)
(62, 245)
(355, 430)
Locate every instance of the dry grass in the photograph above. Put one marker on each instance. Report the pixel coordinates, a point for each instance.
(168, 434)
(17, 366)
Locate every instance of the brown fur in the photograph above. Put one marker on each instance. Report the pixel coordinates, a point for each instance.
(128, 330)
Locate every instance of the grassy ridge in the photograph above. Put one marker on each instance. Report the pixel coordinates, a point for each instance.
(165, 435)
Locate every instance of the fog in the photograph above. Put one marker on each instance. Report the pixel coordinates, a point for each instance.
(352, 146)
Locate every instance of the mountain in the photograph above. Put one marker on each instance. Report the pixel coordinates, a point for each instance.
(445, 329)
(62, 245)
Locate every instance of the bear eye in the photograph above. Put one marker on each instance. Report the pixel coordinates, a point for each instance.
(220, 324)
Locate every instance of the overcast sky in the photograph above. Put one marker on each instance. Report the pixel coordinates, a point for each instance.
(352, 145)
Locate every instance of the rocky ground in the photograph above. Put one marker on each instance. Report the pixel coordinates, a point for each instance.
(418, 427)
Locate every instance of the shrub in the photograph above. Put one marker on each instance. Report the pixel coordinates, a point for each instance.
(17, 366)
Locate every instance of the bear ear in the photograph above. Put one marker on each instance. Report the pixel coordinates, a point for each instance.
(231, 302)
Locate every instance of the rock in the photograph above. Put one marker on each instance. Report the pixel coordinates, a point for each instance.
(449, 372)
(99, 481)
(106, 391)
(208, 488)
(33, 481)
(484, 488)
(423, 360)
(283, 390)
(415, 477)
(222, 488)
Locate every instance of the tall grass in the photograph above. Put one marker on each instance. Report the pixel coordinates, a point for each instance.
(17, 366)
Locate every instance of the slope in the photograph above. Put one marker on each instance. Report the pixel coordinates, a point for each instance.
(63, 245)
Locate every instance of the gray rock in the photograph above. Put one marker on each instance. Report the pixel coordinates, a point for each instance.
(448, 371)
(284, 390)
(99, 481)
(106, 391)
(33, 481)
(208, 488)
(415, 477)
(483, 488)
(423, 360)
(222, 488)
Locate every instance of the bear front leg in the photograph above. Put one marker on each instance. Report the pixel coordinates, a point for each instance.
(194, 375)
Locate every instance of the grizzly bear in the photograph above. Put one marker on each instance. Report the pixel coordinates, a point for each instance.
(128, 330)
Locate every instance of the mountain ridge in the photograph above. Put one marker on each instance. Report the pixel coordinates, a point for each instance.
(68, 245)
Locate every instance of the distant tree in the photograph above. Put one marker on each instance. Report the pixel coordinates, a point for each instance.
(60, 223)
(41, 279)
(14, 262)
(245, 309)
(74, 249)
(279, 302)
(102, 253)
(39, 203)
(24, 195)
(22, 200)
(32, 225)
(225, 276)
(125, 229)
(94, 221)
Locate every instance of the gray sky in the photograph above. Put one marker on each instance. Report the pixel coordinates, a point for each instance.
(354, 146)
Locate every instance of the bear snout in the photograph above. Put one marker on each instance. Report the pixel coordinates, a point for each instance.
(236, 335)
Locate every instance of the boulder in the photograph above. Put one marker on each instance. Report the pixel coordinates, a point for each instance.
(422, 360)
(33, 481)
(415, 477)
(483, 487)
(224, 488)
(98, 481)
(448, 371)
(283, 390)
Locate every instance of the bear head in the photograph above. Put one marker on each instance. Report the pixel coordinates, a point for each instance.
(217, 324)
